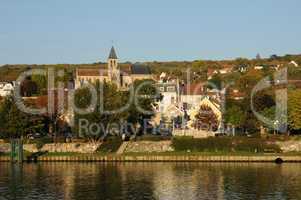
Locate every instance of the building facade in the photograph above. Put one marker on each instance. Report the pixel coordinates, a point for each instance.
(6, 88)
(113, 74)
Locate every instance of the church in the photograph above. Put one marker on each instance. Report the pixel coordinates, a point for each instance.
(113, 74)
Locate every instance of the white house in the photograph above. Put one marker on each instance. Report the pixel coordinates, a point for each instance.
(258, 67)
(6, 89)
(170, 95)
(294, 63)
(191, 95)
(226, 70)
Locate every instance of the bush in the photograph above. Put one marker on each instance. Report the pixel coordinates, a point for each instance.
(154, 138)
(254, 145)
(40, 142)
(223, 144)
(110, 145)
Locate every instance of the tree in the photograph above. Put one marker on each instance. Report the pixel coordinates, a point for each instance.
(215, 82)
(276, 124)
(263, 100)
(28, 87)
(294, 109)
(146, 95)
(249, 80)
(41, 83)
(199, 66)
(206, 119)
(16, 124)
(241, 62)
(234, 115)
(109, 99)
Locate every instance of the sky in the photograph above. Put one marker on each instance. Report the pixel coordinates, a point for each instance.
(83, 31)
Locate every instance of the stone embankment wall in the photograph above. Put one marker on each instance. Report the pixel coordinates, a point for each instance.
(148, 146)
(193, 133)
(158, 158)
(131, 147)
(290, 146)
(4, 148)
(56, 147)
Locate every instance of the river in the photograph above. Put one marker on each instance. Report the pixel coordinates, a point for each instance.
(164, 181)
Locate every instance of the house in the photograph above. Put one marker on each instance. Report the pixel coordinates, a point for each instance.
(184, 101)
(167, 107)
(122, 78)
(210, 103)
(236, 94)
(6, 88)
(242, 68)
(258, 67)
(211, 72)
(170, 95)
(226, 70)
(191, 94)
(294, 63)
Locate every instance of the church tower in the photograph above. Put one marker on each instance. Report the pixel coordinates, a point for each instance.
(113, 71)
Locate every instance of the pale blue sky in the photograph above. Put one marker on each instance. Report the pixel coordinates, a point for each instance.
(81, 31)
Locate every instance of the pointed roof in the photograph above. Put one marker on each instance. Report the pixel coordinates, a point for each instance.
(112, 54)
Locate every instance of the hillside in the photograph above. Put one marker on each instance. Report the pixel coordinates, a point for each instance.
(173, 68)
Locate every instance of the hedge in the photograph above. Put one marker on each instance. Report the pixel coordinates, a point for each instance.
(223, 144)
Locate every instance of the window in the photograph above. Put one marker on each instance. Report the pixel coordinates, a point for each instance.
(161, 89)
(171, 89)
(172, 100)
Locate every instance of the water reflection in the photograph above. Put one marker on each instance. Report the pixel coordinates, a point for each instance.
(150, 181)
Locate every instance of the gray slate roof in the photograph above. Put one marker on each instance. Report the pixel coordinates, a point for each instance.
(113, 54)
(140, 69)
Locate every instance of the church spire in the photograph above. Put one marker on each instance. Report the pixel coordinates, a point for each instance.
(112, 54)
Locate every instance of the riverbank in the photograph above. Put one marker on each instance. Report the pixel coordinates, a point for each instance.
(165, 157)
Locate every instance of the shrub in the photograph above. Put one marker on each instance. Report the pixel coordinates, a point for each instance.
(254, 145)
(110, 145)
(40, 142)
(208, 144)
(152, 138)
(223, 144)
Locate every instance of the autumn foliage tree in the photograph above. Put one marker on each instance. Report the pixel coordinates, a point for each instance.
(206, 119)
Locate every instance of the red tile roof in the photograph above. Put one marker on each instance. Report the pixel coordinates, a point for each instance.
(193, 89)
(92, 72)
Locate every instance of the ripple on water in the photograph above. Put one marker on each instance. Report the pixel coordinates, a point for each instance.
(166, 181)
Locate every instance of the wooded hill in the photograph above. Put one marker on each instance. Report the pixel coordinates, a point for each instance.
(172, 68)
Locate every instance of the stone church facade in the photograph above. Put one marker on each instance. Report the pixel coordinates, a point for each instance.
(122, 78)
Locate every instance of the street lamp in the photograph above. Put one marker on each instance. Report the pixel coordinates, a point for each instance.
(276, 124)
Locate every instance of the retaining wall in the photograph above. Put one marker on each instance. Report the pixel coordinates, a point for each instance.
(157, 158)
(148, 146)
(56, 147)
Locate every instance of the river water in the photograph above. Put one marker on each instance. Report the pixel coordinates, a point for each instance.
(166, 181)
